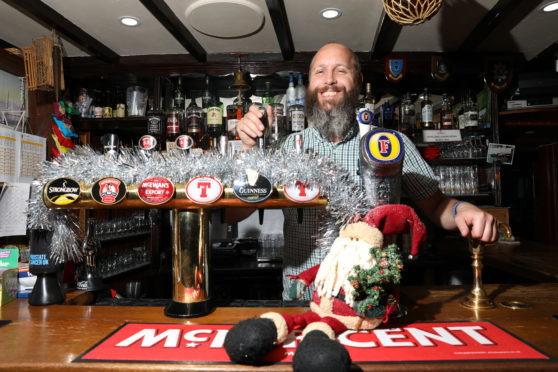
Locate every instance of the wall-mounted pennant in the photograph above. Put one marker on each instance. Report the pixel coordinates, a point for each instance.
(498, 73)
(439, 68)
(395, 68)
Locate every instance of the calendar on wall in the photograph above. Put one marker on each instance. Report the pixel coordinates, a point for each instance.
(21, 155)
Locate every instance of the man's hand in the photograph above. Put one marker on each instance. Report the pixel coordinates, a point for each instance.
(250, 127)
(475, 223)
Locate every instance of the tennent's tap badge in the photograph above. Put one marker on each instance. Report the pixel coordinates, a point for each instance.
(62, 191)
(155, 190)
(301, 192)
(204, 190)
(108, 191)
(395, 68)
(384, 146)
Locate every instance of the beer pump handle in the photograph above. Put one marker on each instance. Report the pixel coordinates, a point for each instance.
(261, 212)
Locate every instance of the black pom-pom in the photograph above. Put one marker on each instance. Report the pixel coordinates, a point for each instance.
(250, 340)
(317, 352)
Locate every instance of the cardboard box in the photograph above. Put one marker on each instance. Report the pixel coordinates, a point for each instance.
(8, 275)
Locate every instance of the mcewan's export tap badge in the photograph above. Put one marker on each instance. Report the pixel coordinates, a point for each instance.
(384, 146)
(108, 190)
(395, 68)
(62, 191)
(204, 190)
(253, 187)
(155, 190)
(301, 192)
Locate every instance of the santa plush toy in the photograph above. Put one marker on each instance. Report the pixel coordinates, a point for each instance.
(355, 287)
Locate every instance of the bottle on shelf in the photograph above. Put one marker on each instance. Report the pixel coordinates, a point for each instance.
(155, 128)
(194, 121)
(297, 118)
(446, 114)
(470, 113)
(300, 91)
(173, 128)
(178, 96)
(387, 116)
(290, 95)
(206, 97)
(267, 98)
(426, 121)
(368, 100)
(234, 114)
(278, 129)
(215, 119)
(407, 118)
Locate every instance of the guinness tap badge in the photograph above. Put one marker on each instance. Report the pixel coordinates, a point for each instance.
(253, 187)
(62, 191)
(108, 191)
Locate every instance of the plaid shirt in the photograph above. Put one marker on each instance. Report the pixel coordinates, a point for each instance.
(418, 182)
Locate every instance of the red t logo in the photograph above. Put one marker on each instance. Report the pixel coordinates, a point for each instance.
(204, 186)
(302, 188)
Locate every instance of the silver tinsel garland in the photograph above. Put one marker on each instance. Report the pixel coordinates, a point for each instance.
(345, 196)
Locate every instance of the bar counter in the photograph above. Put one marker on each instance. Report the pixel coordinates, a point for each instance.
(48, 338)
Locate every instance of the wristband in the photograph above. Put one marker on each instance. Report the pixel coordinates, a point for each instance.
(455, 207)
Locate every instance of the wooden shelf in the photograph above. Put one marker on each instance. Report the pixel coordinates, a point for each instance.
(133, 124)
(531, 117)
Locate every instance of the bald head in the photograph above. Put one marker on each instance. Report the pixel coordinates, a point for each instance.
(341, 50)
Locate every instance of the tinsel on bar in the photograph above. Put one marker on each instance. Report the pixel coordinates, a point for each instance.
(345, 197)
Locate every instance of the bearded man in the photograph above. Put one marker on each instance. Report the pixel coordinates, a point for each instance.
(335, 81)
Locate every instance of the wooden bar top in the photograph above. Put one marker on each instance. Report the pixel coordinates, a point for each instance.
(48, 338)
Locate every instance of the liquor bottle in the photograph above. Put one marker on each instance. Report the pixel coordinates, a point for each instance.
(407, 117)
(387, 116)
(446, 114)
(267, 98)
(215, 119)
(471, 113)
(90, 279)
(290, 95)
(234, 114)
(368, 100)
(179, 100)
(300, 91)
(155, 122)
(194, 121)
(426, 118)
(278, 129)
(297, 118)
(173, 128)
(206, 97)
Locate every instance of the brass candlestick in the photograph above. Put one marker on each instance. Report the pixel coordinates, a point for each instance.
(477, 300)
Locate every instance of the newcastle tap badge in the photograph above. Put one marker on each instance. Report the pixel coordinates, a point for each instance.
(204, 190)
(301, 192)
(384, 146)
(253, 187)
(155, 190)
(108, 190)
(395, 68)
(62, 191)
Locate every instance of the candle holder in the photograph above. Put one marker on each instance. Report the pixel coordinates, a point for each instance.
(477, 299)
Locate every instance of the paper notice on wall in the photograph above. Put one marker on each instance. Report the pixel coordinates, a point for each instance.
(14, 199)
(33, 153)
(9, 154)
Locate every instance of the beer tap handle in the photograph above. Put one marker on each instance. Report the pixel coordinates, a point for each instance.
(299, 215)
(261, 212)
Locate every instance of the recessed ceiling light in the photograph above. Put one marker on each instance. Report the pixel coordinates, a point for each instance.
(130, 21)
(550, 7)
(330, 13)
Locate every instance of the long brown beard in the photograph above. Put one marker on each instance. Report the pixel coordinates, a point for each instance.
(335, 123)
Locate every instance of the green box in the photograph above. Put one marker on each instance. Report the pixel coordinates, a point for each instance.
(8, 275)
